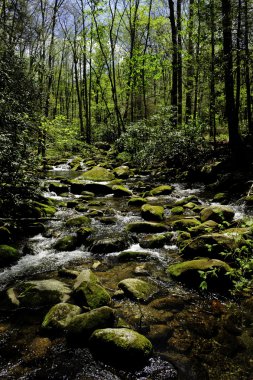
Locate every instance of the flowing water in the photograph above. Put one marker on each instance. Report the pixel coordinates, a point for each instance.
(195, 335)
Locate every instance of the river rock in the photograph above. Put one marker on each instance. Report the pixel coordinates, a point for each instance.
(79, 221)
(137, 201)
(213, 245)
(133, 256)
(83, 325)
(204, 228)
(146, 227)
(83, 233)
(58, 188)
(59, 316)
(108, 245)
(77, 187)
(97, 174)
(41, 210)
(189, 272)
(66, 243)
(190, 198)
(88, 290)
(138, 289)
(153, 241)
(121, 346)
(98, 188)
(43, 292)
(177, 210)
(8, 255)
(152, 213)
(161, 190)
(122, 172)
(217, 213)
(185, 224)
(121, 191)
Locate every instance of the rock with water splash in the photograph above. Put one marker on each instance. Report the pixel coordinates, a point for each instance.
(89, 292)
(146, 227)
(59, 316)
(43, 292)
(133, 256)
(138, 289)
(83, 325)
(66, 243)
(108, 245)
(58, 188)
(152, 212)
(217, 213)
(8, 255)
(155, 241)
(121, 346)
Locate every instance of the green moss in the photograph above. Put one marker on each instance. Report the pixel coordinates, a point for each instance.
(136, 201)
(121, 191)
(44, 209)
(137, 289)
(151, 212)
(178, 210)
(185, 224)
(66, 243)
(217, 213)
(162, 190)
(80, 221)
(8, 255)
(146, 227)
(176, 270)
(97, 173)
(153, 241)
(59, 316)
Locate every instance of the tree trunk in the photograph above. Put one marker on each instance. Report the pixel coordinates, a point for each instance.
(174, 94)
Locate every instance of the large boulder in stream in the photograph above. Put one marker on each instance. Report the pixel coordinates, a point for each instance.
(108, 245)
(122, 172)
(138, 289)
(120, 346)
(58, 188)
(79, 221)
(155, 241)
(98, 188)
(89, 292)
(184, 224)
(43, 293)
(161, 190)
(66, 243)
(83, 325)
(97, 174)
(59, 316)
(152, 212)
(8, 255)
(146, 227)
(121, 191)
(217, 213)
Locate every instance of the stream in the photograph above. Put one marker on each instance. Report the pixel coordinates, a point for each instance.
(196, 335)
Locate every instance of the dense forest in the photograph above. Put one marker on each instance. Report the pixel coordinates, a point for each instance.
(126, 189)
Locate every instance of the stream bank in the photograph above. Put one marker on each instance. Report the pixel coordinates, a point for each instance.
(195, 334)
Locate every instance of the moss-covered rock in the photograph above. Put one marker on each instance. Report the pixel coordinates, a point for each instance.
(43, 292)
(108, 245)
(133, 256)
(121, 346)
(190, 198)
(8, 255)
(217, 213)
(137, 201)
(59, 316)
(121, 191)
(66, 243)
(83, 233)
(44, 209)
(178, 210)
(83, 325)
(97, 174)
(190, 206)
(81, 207)
(89, 291)
(98, 188)
(146, 227)
(152, 213)
(190, 272)
(204, 228)
(79, 221)
(221, 198)
(153, 241)
(138, 289)
(161, 190)
(122, 172)
(58, 188)
(185, 224)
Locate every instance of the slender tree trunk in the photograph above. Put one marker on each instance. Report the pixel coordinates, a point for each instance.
(174, 92)
(247, 69)
(197, 71)
(179, 64)
(238, 58)
(190, 67)
(212, 79)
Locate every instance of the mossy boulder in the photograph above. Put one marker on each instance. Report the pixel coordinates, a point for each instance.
(44, 209)
(190, 198)
(122, 172)
(121, 346)
(66, 243)
(77, 187)
(185, 224)
(190, 272)
(137, 201)
(108, 245)
(58, 188)
(178, 210)
(98, 188)
(161, 190)
(126, 256)
(138, 289)
(146, 227)
(83, 325)
(121, 191)
(79, 221)
(221, 198)
(153, 241)
(217, 213)
(97, 174)
(59, 316)
(43, 292)
(204, 228)
(83, 233)
(8, 255)
(88, 290)
(213, 245)
(152, 212)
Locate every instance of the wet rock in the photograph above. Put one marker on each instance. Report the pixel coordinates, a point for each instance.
(185, 224)
(59, 316)
(171, 303)
(97, 174)
(159, 334)
(37, 349)
(181, 341)
(108, 245)
(133, 256)
(178, 210)
(142, 270)
(77, 187)
(108, 220)
(32, 229)
(121, 191)
(137, 201)
(161, 190)
(121, 346)
(204, 228)
(83, 325)
(98, 188)
(88, 290)
(81, 207)
(138, 289)
(72, 204)
(146, 227)
(189, 272)
(217, 213)
(201, 324)
(8, 255)
(184, 201)
(79, 221)
(153, 241)
(58, 188)
(221, 198)
(152, 213)
(68, 273)
(41, 210)
(43, 292)
(83, 233)
(66, 243)
(5, 235)
(122, 171)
